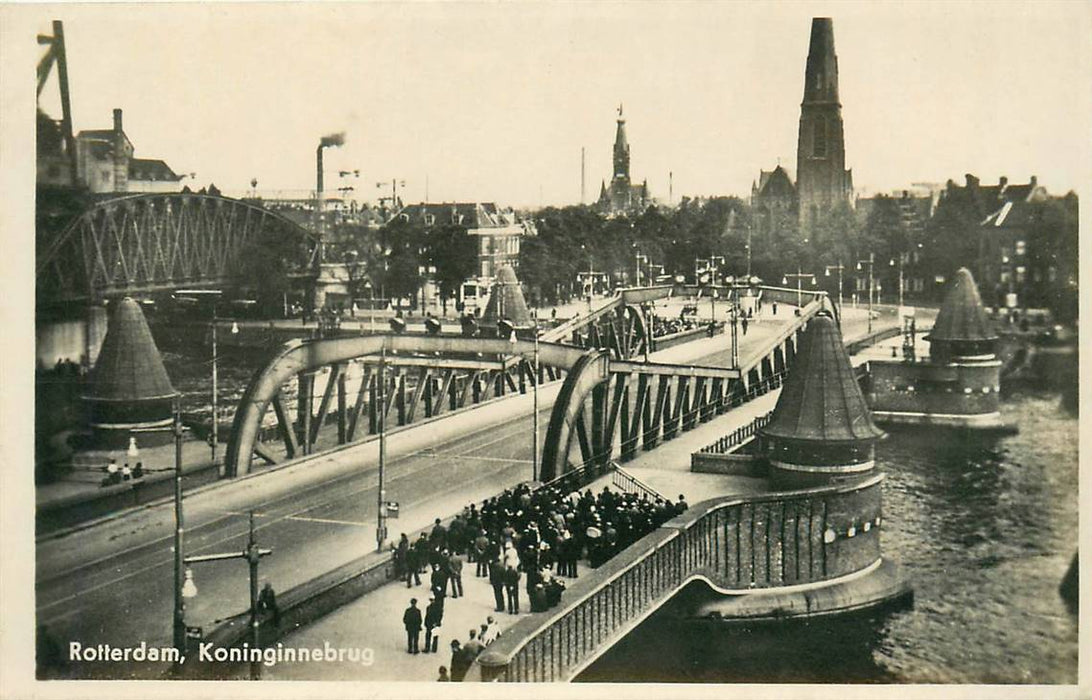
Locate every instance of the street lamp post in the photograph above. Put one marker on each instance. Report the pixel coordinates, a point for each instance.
(214, 437)
(534, 450)
(839, 267)
(733, 311)
(715, 263)
(381, 520)
(179, 529)
(253, 555)
(870, 262)
(892, 263)
(641, 257)
(799, 276)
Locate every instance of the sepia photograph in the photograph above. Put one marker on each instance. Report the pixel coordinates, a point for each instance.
(697, 347)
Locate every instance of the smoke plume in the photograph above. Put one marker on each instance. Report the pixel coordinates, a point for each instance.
(337, 139)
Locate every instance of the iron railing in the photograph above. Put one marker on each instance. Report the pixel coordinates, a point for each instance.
(742, 543)
(627, 483)
(738, 436)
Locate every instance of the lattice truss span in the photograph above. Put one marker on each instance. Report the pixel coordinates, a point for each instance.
(153, 242)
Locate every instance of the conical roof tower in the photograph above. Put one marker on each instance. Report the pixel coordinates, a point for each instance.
(962, 329)
(506, 301)
(821, 429)
(129, 388)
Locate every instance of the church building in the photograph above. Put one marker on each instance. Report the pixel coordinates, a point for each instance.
(823, 182)
(622, 197)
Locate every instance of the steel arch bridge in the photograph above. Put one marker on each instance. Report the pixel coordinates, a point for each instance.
(144, 243)
(606, 403)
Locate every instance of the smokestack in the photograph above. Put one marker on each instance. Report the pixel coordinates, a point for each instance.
(581, 174)
(329, 140)
(117, 121)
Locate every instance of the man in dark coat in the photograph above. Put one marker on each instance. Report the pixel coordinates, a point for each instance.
(496, 580)
(439, 581)
(411, 619)
(455, 573)
(400, 556)
(267, 602)
(481, 549)
(434, 617)
(460, 663)
(511, 585)
(438, 538)
(412, 567)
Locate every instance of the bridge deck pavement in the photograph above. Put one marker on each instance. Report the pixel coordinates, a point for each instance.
(374, 620)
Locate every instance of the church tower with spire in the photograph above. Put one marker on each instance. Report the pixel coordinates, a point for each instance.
(622, 196)
(621, 154)
(822, 179)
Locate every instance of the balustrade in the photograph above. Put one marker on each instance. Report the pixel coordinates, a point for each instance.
(738, 544)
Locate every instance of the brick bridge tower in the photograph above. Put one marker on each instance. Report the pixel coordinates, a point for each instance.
(821, 431)
(960, 384)
(129, 390)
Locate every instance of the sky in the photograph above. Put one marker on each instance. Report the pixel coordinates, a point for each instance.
(493, 102)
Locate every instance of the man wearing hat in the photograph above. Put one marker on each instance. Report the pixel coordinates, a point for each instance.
(411, 619)
(434, 617)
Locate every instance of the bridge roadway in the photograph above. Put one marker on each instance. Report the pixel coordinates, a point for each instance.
(373, 620)
(112, 583)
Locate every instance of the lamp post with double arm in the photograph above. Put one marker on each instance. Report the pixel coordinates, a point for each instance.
(870, 262)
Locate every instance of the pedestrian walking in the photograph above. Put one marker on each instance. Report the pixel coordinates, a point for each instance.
(496, 580)
(744, 324)
(511, 585)
(411, 619)
(434, 618)
(455, 573)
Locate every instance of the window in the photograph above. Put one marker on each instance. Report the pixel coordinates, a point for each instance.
(819, 138)
(1020, 247)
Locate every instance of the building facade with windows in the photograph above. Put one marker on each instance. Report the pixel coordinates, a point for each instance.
(496, 232)
(105, 164)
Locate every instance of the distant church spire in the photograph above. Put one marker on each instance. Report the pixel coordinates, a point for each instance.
(621, 151)
(822, 178)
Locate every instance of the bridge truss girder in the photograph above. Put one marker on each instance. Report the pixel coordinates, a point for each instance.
(609, 407)
(150, 242)
(443, 374)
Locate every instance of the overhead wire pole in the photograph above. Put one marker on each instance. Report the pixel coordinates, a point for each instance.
(534, 451)
(870, 262)
(179, 627)
(381, 526)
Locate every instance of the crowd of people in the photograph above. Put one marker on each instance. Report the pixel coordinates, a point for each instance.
(529, 538)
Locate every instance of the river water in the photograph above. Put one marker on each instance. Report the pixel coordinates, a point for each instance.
(984, 528)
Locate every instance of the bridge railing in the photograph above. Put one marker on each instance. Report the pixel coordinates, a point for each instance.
(738, 436)
(627, 483)
(738, 544)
